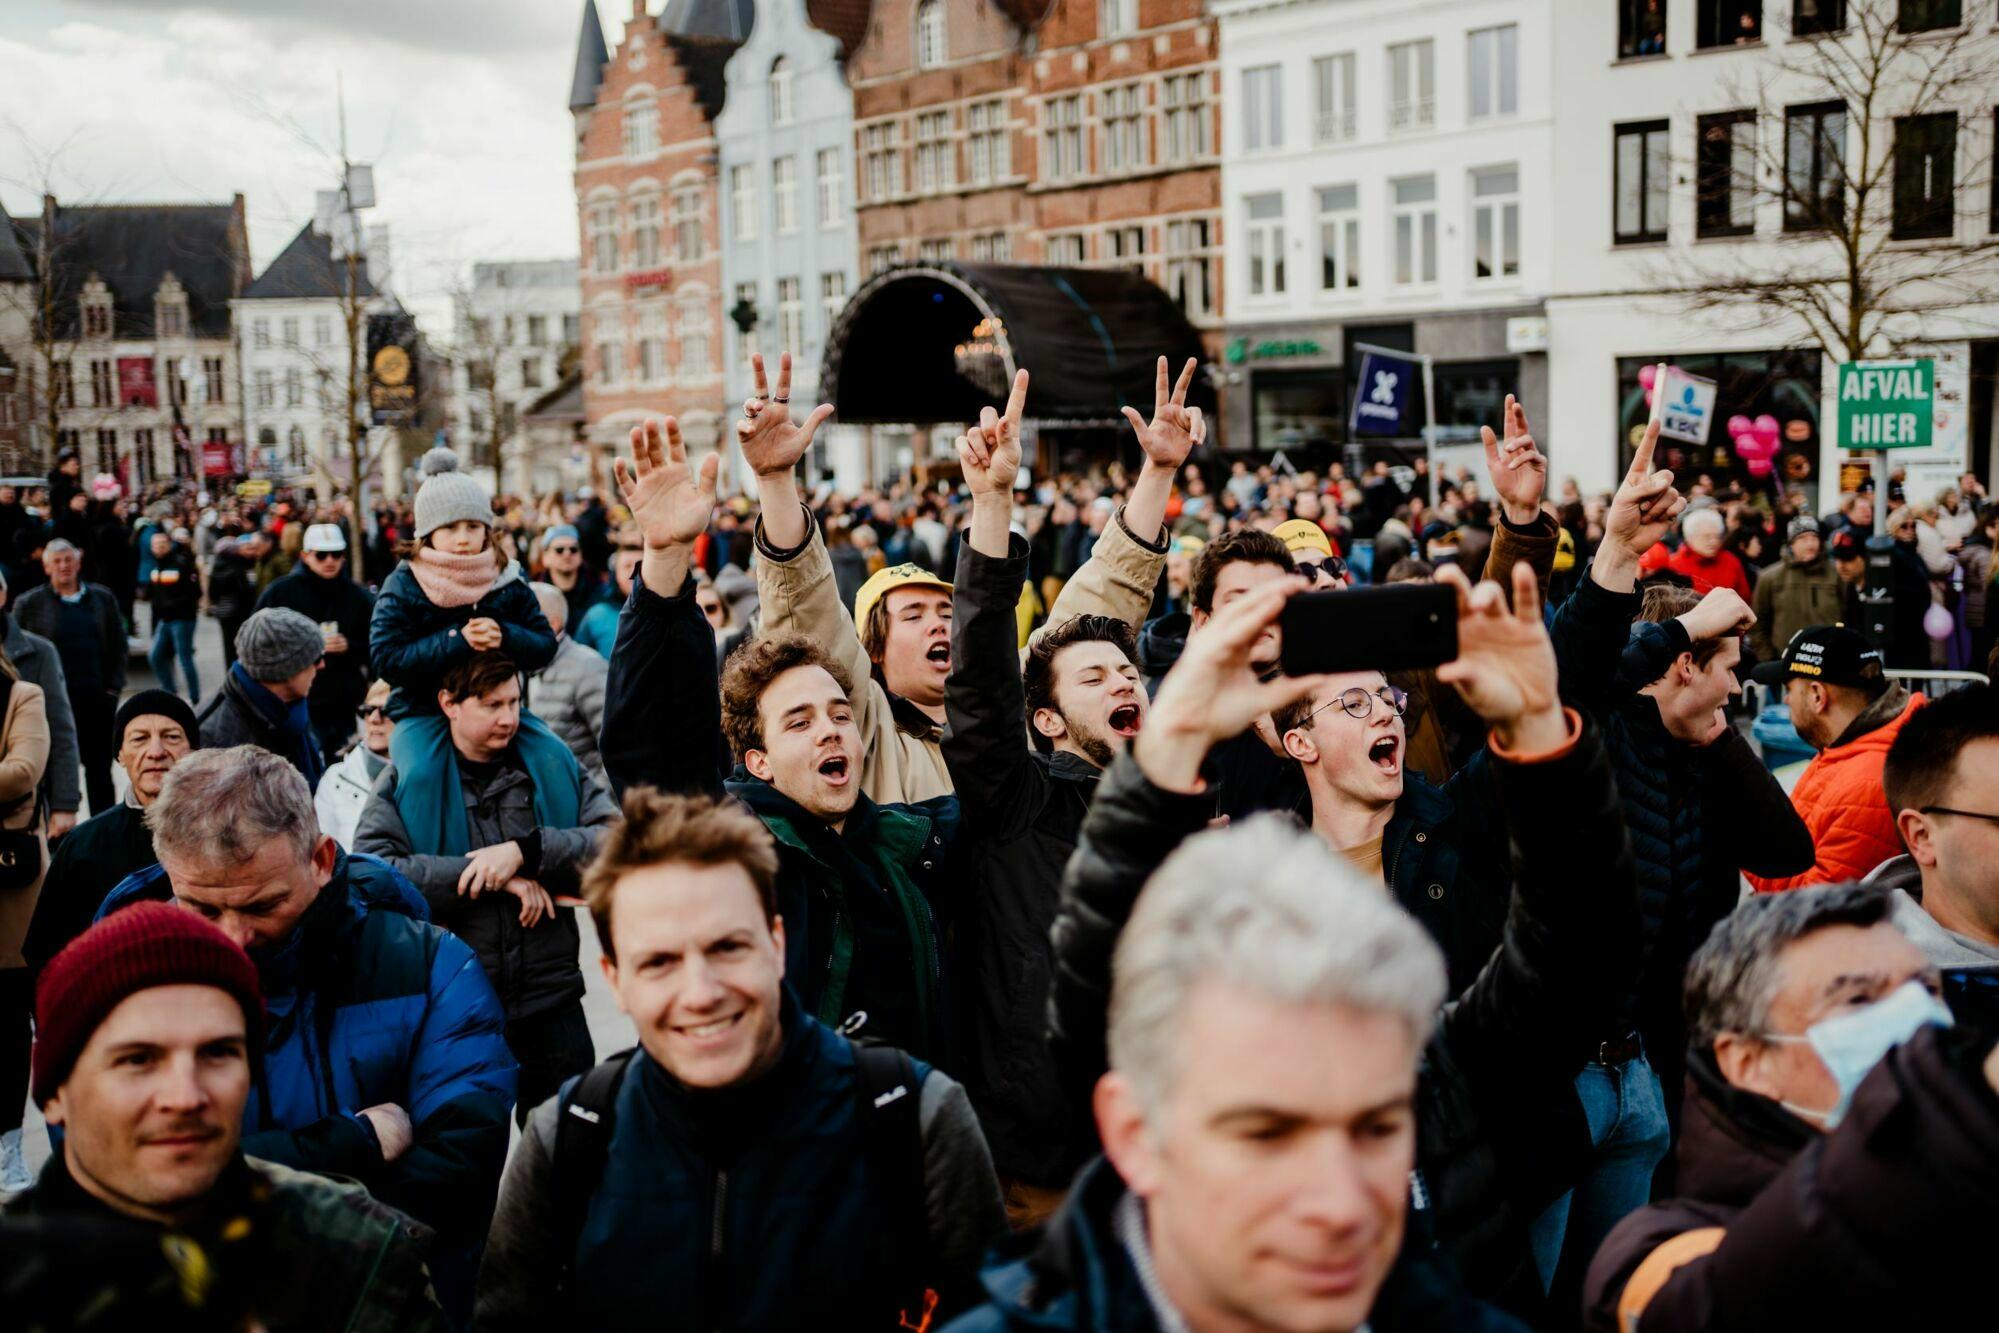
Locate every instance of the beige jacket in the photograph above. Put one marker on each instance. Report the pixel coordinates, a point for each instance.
(797, 595)
(24, 754)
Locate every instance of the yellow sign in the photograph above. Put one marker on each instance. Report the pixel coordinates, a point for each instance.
(392, 367)
(255, 487)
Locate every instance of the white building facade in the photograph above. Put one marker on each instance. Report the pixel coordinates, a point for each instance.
(516, 337)
(1696, 149)
(789, 252)
(1386, 180)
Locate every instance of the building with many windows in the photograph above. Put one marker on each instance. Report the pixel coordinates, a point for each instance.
(646, 196)
(1385, 181)
(517, 333)
(785, 139)
(1718, 195)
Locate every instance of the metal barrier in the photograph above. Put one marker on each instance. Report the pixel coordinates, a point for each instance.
(1931, 684)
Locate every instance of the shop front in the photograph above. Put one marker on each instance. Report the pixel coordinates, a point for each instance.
(1780, 386)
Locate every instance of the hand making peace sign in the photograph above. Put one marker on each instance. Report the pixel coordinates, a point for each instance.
(1175, 428)
(1518, 469)
(771, 442)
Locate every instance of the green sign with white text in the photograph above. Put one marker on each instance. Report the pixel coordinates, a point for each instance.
(1887, 404)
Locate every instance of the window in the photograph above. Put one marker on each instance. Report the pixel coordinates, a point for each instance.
(1127, 248)
(1642, 177)
(260, 333)
(790, 315)
(1186, 117)
(1339, 238)
(687, 245)
(933, 152)
(537, 330)
(1641, 28)
(1810, 18)
(1333, 119)
(645, 235)
(743, 202)
(832, 300)
(142, 455)
(930, 33)
(780, 92)
(1189, 265)
(291, 331)
(1122, 110)
(986, 146)
(1928, 15)
(746, 339)
(1262, 108)
(1495, 74)
(176, 385)
(1415, 219)
(652, 346)
(572, 330)
(1495, 223)
(603, 240)
(103, 387)
(1727, 22)
(881, 161)
(641, 129)
(172, 319)
(784, 193)
(507, 330)
(107, 451)
(1062, 137)
(993, 247)
(1925, 176)
(1725, 202)
(1115, 18)
(935, 249)
(1266, 243)
(832, 187)
(294, 387)
(1814, 167)
(882, 257)
(610, 351)
(1065, 248)
(213, 383)
(531, 377)
(96, 318)
(322, 330)
(265, 386)
(694, 355)
(1412, 85)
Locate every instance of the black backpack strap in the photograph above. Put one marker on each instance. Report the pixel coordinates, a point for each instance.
(889, 1097)
(583, 1124)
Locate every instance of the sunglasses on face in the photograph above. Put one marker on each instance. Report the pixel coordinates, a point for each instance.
(327, 555)
(564, 550)
(369, 712)
(1330, 570)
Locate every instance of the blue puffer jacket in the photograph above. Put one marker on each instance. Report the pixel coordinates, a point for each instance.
(413, 641)
(368, 1003)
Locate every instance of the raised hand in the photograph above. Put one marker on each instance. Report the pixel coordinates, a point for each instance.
(990, 451)
(1519, 470)
(1175, 428)
(669, 500)
(772, 443)
(1722, 612)
(1505, 667)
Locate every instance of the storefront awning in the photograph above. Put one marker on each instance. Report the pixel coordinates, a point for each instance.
(934, 342)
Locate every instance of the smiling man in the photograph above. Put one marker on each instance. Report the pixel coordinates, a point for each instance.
(150, 1035)
(764, 1171)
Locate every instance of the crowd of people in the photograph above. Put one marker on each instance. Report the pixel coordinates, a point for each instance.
(1011, 941)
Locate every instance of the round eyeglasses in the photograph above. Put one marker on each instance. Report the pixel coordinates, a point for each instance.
(1358, 702)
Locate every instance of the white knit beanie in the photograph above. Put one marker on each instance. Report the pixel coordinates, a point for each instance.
(447, 495)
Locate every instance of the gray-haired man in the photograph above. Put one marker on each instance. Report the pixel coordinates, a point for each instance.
(38, 662)
(1837, 1152)
(84, 623)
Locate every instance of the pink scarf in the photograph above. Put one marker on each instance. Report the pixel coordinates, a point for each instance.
(454, 580)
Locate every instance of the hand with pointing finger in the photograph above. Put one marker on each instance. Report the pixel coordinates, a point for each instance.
(990, 451)
(1643, 508)
(773, 443)
(1175, 428)
(1518, 470)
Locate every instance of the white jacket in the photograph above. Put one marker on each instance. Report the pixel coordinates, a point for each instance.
(343, 790)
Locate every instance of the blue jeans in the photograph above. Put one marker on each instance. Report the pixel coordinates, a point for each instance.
(1626, 1110)
(171, 637)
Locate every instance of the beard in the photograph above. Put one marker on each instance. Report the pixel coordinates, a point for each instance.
(1096, 747)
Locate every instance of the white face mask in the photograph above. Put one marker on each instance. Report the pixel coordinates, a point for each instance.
(1851, 1043)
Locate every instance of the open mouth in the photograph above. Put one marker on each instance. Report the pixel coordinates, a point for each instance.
(710, 1030)
(1125, 720)
(939, 654)
(1385, 754)
(835, 769)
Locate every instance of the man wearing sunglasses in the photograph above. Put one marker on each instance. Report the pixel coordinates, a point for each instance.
(563, 565)
(323, 590)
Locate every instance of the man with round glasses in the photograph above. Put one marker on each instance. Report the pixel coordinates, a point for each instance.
(323, 590)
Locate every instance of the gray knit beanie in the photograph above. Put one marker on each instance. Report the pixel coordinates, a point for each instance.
(448, 495)
(277, 643)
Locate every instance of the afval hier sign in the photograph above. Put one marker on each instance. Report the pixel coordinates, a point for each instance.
(1887, 404)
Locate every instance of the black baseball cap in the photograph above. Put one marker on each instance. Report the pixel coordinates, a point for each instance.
(1831, 654)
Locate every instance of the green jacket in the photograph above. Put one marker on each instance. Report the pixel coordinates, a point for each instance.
(1790, 597)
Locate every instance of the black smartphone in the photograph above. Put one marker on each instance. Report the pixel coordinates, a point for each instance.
(1392, 628)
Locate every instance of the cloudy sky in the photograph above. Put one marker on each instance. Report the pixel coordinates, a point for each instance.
(460, 104)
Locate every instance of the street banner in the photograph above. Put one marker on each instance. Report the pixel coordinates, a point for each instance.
(392, 369)
(135, 382)
(1887, 404)
(1688, 411)
(215, 458)
(1927, 473)
(1382, 395)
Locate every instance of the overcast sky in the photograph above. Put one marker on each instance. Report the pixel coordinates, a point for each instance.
(461, 105)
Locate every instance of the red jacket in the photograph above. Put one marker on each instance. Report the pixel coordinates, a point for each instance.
(1840, 799)
(1722, 570)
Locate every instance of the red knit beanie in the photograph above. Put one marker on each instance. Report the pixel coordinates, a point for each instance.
(142, 946)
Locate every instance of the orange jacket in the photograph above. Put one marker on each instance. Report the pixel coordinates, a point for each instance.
(1839, 797)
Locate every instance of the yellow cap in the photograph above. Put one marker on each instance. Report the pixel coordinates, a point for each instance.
(886, 581)
(1189, 545)
(1300, 533)
(1565, 550)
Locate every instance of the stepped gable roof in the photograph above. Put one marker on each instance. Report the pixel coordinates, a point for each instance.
(728, 20)
(844, 20)
(591, 57)
(307, 270)
(705, 61)
(132, 247)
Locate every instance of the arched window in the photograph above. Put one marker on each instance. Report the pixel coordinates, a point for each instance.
(780, 92)
(930, 33)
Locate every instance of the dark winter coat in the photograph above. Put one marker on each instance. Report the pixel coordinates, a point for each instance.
(87, 863)
(233, 717)
(232, 584)
(865, 908)
(1499, 1131)
(173, 585)
(1885, 1222)
(1792, 597)
(413, 641)
(342, 682)
(37, 610)
(38, 662)
(1075, 1275)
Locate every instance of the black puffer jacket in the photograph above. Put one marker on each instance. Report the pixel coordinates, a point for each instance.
(1500, 1133)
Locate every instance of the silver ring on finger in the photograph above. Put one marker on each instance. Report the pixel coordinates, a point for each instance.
(782, 398)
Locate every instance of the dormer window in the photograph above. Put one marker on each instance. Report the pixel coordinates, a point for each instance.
(96, 302)
(170, 309)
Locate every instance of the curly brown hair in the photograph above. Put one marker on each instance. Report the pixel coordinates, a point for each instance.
(1249, 545)
(751, 669)
(696, 829)
(1037, 674)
